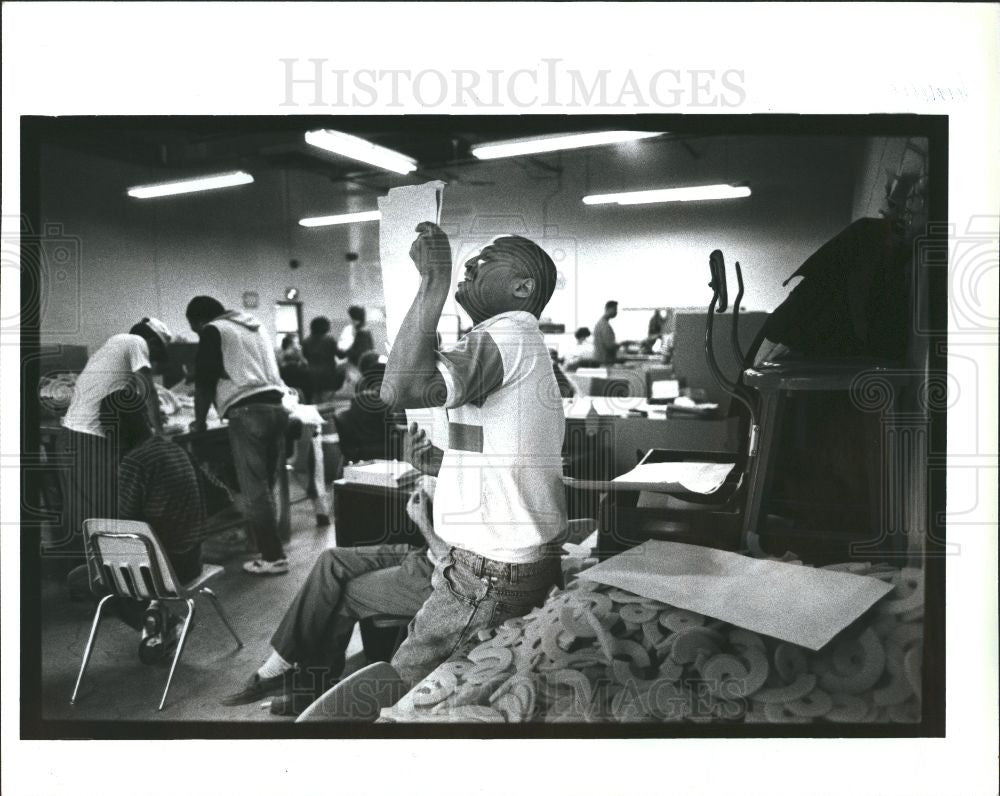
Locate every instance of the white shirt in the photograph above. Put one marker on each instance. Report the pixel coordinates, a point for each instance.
(500, 492)
(108, 370)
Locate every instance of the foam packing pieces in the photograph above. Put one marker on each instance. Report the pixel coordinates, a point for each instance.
(594, 653)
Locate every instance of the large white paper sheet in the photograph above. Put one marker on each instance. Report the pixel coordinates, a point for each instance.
(402, 209)
(791, 602)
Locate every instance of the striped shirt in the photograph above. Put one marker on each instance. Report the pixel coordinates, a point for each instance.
(158, 484)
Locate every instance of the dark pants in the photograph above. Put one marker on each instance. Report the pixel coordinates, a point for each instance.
(470, 593)
(257, 439)
(186, 564)
(89, 482)
(347, 584)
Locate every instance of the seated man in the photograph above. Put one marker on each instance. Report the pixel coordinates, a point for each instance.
(347, 584)
(500, 503)
(363, 427)
(157, 484)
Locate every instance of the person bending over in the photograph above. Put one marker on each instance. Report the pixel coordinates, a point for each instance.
(500, 502)
(347, 584)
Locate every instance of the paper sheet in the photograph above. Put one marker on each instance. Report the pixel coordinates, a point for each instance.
(701, 477)
(794, 603)
(402, 209)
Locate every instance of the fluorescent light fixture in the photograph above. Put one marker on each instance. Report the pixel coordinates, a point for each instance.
(343, 218)
(694, 194)
(350, 146)
(555, 143)
(207, 183)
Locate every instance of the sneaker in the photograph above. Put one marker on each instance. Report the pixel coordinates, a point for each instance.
(256, 688)
(258, 566)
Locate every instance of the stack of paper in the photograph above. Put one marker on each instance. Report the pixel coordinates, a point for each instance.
(381, 473)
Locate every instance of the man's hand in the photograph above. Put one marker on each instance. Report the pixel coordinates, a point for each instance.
(431, 250)
(418, 510)
(419, 452)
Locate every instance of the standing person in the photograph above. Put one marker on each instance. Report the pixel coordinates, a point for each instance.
(500, 503)
(605, 346)
(122, 367)
(235, 368)
(355, 339)
(656, 324)
(321, 352)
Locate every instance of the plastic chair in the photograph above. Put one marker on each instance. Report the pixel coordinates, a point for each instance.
(127, 560)
(358, 697)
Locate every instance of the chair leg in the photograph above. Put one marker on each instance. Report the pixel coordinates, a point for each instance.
(222, 614)
(90, 646)
(180, 649)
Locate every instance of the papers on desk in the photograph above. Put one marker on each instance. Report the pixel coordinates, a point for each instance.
(701, 477)
(381, 472)
(794, 603)
(590, 405)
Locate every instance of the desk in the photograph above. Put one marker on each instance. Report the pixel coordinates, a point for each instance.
(365, 514)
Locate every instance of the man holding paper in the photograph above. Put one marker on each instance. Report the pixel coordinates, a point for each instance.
(500, 504)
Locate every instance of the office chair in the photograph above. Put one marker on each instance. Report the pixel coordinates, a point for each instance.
(127, 560)
(677, 513)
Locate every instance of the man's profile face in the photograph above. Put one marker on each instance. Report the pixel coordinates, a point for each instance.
(487, 286)
(613, 311)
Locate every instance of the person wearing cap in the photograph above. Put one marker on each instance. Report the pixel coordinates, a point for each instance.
(605, 345)
(500, 504)
(123, 367)
(236, 369)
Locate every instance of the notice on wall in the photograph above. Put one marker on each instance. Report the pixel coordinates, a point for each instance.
(402, 209)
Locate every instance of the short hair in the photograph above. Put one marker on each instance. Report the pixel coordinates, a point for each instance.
(582, 333)
(319, 326)
(611, 304)
(204, 309)
(157, 349)
(356, 313)
(536, 263)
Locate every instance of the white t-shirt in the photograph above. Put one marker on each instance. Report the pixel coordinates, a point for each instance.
(109, 369)
(500, 492)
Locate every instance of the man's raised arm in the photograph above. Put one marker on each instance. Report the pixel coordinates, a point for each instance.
(411, 377)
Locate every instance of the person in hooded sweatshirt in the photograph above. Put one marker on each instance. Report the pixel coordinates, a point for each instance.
(236, 369)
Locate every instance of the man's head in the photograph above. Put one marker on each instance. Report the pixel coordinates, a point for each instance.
(511, 273)
(357, 315)
(319, 326)
(581, 334)
(611, 309)
(201, 310)
(157, 335)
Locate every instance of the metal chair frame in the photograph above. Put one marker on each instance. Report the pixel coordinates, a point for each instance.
(143, 582)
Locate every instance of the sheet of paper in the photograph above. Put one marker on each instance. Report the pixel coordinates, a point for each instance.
(701, 477)
(402, 209)
(794, 603)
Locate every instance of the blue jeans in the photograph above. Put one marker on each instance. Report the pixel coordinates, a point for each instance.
(257, 438)
(470, 593)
